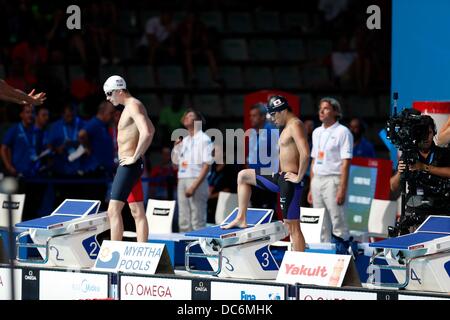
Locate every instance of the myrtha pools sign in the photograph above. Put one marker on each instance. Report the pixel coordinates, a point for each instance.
(130, 257)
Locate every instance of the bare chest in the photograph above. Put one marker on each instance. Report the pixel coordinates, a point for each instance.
(285, 140)
(125, 122)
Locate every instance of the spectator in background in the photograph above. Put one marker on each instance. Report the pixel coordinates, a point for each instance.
(332, 8)
(86, 85)
(343, 63)
(169, 117)
(158, 43)
(63, 141)
(42, 116)
(98, 160)
(101, 24)
(16, 76)
(31, 54)
(166, 176)
(331, 156)
(61, 41)
(19, 152)
(262, 144)
(222, 178)
(195, 42)
(361, 146)
(193, 154)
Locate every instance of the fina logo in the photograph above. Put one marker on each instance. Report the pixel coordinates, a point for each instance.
(245, 296)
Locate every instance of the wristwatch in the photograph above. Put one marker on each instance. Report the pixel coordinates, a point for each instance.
(427, 168)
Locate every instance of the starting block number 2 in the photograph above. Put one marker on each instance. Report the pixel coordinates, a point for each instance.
(91, 246)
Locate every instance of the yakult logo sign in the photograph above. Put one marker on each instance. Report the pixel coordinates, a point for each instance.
(313, 268)
(303, 270)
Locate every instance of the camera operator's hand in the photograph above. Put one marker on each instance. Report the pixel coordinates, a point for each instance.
(417, 166)
(401, 166)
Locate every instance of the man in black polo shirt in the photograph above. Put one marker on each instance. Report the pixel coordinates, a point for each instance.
(433, 164)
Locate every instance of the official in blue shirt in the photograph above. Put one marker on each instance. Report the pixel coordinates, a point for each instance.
(262, 144)
(361, 146)
(21, 146)
(96, 139)
(98, 161)
(41, 118)
(63, 140)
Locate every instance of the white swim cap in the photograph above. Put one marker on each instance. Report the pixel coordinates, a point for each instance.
(114, 83)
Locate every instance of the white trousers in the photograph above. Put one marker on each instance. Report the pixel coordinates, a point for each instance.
(324, 190)
(192, 211)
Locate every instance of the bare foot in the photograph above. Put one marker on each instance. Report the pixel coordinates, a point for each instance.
(236, 223)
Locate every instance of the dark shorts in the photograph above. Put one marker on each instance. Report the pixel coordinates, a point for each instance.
(290, 193)
(127, 184)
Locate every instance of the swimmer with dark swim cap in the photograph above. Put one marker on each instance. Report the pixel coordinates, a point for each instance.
(294, 155)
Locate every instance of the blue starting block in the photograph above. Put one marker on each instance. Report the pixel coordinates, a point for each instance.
(68, 236)
(239, 252)
(420, 260)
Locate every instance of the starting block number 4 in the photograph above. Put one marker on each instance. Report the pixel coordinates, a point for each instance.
(415, 277)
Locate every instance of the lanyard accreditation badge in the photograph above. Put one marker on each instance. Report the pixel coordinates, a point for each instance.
(31, 145)
(321, 153)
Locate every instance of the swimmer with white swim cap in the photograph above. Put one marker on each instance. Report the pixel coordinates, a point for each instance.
(134, 135)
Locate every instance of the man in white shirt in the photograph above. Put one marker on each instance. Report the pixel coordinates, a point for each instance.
(331, 154)
(158, 37)
(194, 157)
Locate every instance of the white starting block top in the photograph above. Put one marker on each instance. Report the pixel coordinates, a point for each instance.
(432, 235)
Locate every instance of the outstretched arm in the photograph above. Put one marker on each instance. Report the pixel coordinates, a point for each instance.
(11, 94)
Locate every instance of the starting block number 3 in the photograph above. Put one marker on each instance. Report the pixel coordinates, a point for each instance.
(266, 259)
